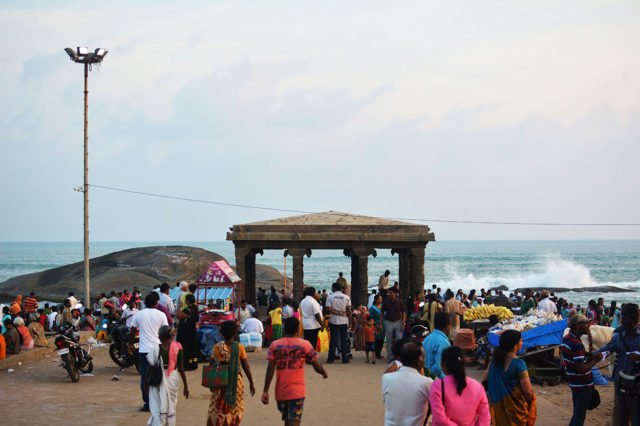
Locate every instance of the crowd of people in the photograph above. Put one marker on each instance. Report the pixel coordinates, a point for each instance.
(425, 378)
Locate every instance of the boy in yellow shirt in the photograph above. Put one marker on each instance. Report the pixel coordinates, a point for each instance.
(275, 316)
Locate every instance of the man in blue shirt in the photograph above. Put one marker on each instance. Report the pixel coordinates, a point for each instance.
(435, 343)
(625, 343)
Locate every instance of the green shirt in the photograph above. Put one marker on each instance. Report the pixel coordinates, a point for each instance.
(527, 305)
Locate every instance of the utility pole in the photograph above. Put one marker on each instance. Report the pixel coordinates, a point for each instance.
(82, 56)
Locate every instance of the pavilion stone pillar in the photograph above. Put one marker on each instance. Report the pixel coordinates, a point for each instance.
(360, 274)
(416, 261)
(243, 263)
(298, 269)
(404, 271)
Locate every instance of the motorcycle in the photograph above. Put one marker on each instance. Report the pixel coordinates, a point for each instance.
(74, 357)
(118, 350)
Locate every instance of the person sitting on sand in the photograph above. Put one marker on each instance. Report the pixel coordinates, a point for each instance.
(36, 330)
(25, 337)
(3, 348)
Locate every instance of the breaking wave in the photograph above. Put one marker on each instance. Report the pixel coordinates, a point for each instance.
(558, 273)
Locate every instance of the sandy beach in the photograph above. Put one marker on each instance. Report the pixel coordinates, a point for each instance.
(39, 392)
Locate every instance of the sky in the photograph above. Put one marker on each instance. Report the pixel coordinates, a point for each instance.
(524, 111)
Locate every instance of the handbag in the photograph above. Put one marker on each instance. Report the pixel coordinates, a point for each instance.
(215, 375)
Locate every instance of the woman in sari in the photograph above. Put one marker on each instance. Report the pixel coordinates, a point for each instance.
(430, 310)
(375, 312)
(164, 398)
(360, 321)
(226, 406)
(187, 336)
(511, 396)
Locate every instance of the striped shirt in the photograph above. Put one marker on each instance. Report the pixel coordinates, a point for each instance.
(573, 353)
(30, 305)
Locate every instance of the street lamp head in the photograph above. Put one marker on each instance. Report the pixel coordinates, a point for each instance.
(82, 55)
(72, 53)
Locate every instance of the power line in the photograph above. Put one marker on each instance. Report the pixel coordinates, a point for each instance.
(248, 206)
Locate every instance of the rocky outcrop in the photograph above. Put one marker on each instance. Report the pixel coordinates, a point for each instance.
(143, 267)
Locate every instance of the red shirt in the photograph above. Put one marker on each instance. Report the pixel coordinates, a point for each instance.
(369, 333)
(290, 355)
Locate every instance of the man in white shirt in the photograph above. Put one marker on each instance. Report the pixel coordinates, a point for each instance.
(372, 296)
(165, 299)
(405, 392)
(383, 283)
(252, 325)
(244, 312)
(339, 305)
(545, 304)
(312, 321)
(73, 300)
(148, 321)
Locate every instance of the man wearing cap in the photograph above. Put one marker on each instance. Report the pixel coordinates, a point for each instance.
(578, 364)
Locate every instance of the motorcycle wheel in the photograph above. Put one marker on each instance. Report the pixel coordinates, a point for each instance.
(119, 358)
(87, 368)
(70, 366)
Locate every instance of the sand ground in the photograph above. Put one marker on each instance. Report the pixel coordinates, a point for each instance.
(40, 392)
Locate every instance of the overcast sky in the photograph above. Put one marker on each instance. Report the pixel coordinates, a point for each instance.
(499, 111)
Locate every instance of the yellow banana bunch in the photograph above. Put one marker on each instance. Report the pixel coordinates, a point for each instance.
(484, 311)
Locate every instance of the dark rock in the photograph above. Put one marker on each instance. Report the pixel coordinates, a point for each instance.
(601, 289)
(143, 267)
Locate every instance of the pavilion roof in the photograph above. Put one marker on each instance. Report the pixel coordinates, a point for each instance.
(331, 225)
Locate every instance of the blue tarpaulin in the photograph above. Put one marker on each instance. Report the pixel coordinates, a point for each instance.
(548, 334)
(208, 336)
(214, 293)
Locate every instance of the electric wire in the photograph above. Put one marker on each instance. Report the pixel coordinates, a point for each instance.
(277, 209)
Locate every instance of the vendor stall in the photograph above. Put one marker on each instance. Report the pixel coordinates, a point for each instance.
(216, 298)
(541, 336)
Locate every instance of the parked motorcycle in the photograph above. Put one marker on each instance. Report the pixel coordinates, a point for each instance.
(74, 357)
(118, 350)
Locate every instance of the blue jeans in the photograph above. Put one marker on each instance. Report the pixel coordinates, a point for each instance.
(339, 338)
(143, 364)
(393, 332)
(581, 398)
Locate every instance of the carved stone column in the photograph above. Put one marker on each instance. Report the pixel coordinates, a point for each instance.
(359, 274)
(241, 270)
(416, 260)
(404, 271)
(298, 269)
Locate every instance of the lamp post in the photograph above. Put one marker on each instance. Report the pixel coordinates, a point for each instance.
(82, 55)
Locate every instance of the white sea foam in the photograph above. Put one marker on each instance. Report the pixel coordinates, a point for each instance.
(557, 273)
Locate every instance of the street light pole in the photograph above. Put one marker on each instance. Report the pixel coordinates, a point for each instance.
(85, 190)
(81, 55)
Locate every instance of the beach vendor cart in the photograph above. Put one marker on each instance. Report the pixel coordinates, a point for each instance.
(539, 344)
(216, 299)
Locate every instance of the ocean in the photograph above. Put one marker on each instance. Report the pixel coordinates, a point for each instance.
(448, 264)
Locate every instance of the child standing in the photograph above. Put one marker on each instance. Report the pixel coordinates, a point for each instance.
(275, 319)
(369, 337)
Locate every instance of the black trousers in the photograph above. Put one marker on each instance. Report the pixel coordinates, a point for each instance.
(311, 336)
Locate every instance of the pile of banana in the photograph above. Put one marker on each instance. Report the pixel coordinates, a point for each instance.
(484, 311)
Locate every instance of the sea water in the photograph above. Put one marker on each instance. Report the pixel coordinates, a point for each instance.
(448, 264)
